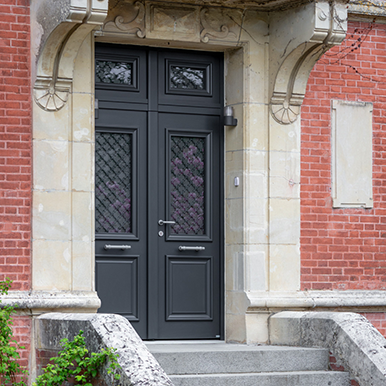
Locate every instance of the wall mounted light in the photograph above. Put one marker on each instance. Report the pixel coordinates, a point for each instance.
(228, 116)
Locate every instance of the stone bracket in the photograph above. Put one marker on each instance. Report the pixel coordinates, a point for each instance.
(64, 24)
(299, 38)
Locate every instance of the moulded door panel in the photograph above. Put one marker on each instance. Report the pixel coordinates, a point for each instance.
(120, 207)
(188, 254)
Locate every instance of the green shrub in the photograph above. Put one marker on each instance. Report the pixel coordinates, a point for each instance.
(75, 363)
(10, 367)
(72, 363)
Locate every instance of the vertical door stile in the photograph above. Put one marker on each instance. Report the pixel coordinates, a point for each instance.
(152, 302)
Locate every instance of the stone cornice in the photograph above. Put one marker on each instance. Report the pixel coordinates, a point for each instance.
(353, 300)
(37, 302)
(367, 9)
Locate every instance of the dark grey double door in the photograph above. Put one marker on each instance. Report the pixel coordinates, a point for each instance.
(158, 178)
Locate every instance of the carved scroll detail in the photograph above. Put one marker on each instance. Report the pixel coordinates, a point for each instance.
(208, 31)
(136, 25)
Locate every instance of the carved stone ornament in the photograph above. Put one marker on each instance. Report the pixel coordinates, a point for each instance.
(285, 112)
(167, 21)
(135, 25)
(208, 32)
(294, 56)
(51, 95)
(61, 40)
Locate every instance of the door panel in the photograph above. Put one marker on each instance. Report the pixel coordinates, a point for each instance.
(120, 162)
(189, 277)
(158, 157)
(117, 281)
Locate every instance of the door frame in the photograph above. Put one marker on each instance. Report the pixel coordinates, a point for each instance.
(152, 227)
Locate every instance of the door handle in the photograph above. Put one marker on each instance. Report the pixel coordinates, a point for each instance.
(162, 222)
(185, 248)
(123, 247)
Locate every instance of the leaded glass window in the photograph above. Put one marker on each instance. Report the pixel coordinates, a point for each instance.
(187, 180)
(113, 175)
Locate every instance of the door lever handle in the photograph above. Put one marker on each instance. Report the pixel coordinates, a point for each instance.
(185, 248)
(162, 222)
(123, 247)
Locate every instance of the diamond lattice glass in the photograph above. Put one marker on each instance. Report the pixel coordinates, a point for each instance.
(187, 185)
(113, 182)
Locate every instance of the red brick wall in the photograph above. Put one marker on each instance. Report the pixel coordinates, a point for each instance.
(15, 156)
(343, 249)
(15, 143)
(22, 331)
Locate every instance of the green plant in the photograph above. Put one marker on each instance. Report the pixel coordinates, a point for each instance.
(74, 362)
(10, 368)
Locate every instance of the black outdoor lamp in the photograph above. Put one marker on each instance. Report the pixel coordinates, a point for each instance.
(228, 116)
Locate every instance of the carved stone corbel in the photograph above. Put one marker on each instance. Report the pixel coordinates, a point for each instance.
(63, 26)
(315, 28)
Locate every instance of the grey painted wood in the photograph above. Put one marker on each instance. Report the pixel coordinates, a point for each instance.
(165, 292)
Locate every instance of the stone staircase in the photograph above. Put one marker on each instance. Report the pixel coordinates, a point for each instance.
(221, 364)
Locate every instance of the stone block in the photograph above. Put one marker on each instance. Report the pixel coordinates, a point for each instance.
(51, 269)
(138, 366)
(51, 165)
(52, 215)
(284, 221)
(351, 338)
(284, 268)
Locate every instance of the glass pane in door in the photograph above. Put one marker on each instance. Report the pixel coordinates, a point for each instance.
(187, 185)
(113, 72)
(113, 175)
(187, 78)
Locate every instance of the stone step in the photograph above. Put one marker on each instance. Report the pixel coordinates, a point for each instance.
(222, 358)
(304, 378)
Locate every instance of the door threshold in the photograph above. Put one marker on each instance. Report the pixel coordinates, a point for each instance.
(166, 342)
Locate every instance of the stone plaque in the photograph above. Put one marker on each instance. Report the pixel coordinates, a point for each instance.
(172, 22)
